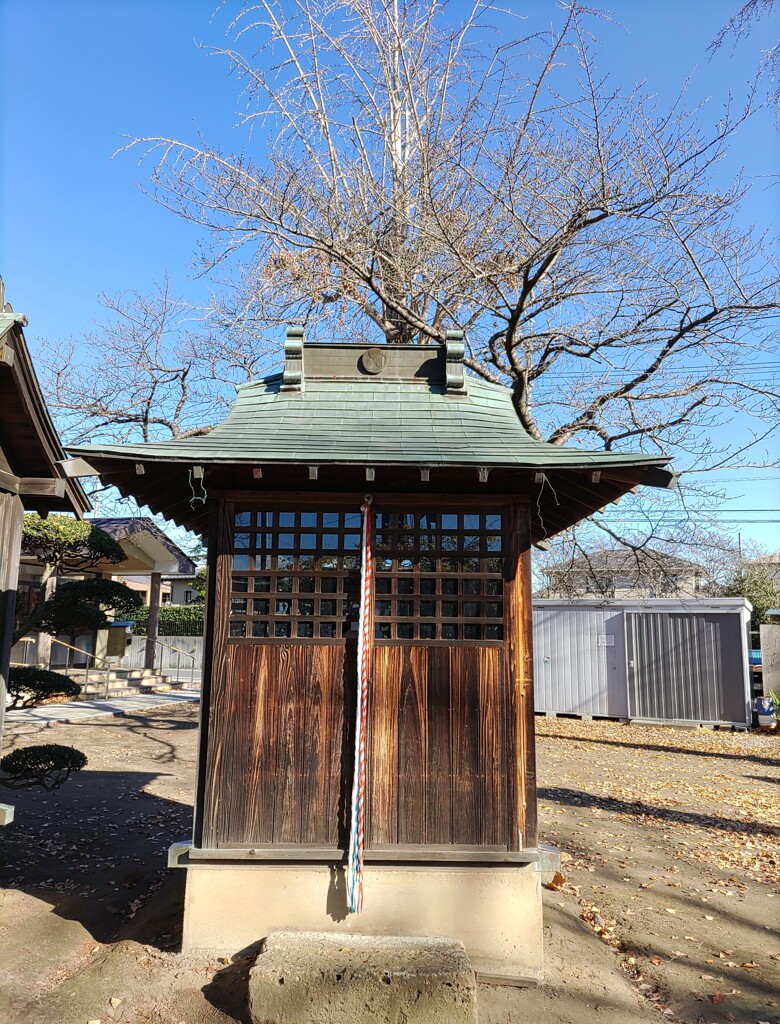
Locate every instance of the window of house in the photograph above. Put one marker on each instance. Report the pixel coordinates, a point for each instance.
(601, 584)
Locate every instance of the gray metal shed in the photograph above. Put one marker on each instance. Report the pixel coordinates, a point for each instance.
(655, 660)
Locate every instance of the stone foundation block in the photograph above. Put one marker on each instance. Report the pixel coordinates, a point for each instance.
(343, 978)
(494, 910)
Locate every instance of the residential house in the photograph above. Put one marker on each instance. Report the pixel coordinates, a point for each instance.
(149, 553)
(624, 573)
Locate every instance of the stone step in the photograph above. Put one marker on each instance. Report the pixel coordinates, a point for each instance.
(116, 685)
(344, 978)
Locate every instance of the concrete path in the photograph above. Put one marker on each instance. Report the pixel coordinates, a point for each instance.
(78, 710)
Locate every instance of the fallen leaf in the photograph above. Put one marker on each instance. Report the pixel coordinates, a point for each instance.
(708, 917)
(669, 910)
(718, 997)
(750, 965)
(556, 883)
(114, 1002)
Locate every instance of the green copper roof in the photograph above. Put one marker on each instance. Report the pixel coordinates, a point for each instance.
(373, 422)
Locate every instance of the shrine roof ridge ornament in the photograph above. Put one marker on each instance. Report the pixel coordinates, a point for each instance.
(401, 418)
(370, 363)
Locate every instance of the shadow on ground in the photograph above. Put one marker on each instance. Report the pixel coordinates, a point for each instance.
(228, 990)
(664, 748)
(577, 798)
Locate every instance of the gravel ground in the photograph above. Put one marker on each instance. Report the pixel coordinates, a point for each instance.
(666, 908)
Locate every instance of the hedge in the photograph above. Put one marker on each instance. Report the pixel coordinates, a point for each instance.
(176, 620)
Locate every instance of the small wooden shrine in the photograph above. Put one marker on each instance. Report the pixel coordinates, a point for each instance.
(381, 478)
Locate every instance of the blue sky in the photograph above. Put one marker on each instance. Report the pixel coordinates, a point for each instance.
(77, 76)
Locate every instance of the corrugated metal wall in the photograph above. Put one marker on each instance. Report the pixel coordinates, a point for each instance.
(662, 665)
(580, 661)
(685, 667)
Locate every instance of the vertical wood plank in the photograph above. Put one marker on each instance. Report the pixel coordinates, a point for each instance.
(492, 739)
(333, 670)
(238, 747)
(382, 809)
(316, 686)
(348, 690)
(214, 668)
(289, 668)
(526, 710)
(261, 754)
(412, 745)
(519, 655)
(439, 780)
(466, 782)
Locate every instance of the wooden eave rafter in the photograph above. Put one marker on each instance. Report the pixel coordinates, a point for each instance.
(564, 497)
(33, 455)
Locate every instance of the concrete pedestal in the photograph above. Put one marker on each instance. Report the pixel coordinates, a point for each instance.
(494, 910)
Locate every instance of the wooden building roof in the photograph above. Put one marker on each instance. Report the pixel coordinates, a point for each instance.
(146, 547)
(402, 417)
(30, 449)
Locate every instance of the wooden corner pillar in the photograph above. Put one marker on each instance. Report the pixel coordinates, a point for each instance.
(154, 620)
(11, 523)
(520, 665)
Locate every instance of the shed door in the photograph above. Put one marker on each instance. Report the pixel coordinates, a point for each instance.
(580, 661)
(685, 667)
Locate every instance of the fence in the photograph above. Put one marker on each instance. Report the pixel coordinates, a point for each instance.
(169, 658)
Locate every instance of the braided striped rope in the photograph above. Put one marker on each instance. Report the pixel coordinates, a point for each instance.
(355, 862)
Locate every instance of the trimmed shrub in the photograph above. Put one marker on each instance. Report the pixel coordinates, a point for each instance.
(29, 686)
(176, 620)
(58, 538)
(47, 765)
(78, 605)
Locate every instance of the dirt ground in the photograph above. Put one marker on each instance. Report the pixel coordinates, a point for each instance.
(667, 908)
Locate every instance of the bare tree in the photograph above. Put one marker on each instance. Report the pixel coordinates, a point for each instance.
(739, 27)
(154, 367)
(401, 175)
(685, 559)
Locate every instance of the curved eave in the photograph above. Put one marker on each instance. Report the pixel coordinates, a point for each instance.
(558, 495)
(29, 443)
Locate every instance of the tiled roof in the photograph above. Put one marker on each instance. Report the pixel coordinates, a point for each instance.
(373, 422)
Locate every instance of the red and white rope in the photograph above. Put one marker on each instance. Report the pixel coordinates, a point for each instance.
(355, 862)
